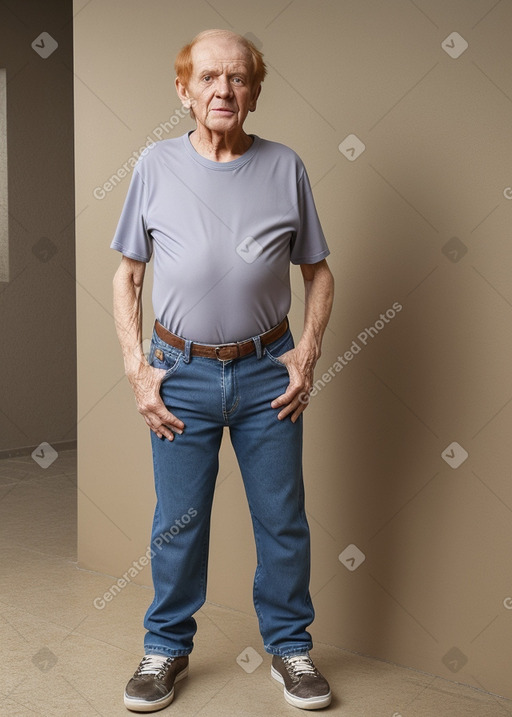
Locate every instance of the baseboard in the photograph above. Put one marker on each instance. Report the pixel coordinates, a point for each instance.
(27, 450)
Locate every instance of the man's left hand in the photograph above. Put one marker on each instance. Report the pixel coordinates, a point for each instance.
(300, 363)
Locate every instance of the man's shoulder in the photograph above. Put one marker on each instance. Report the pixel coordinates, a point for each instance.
(283, 158)
(279, 150)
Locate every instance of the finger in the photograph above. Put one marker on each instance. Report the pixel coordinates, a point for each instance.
(166, 418)
(295, 407)
(300, 409)
(287, 396)
(166, 433)
(172, 422)
(163, 432)
(287, 410)
(162, 428)
(169, 435)
(293, 410)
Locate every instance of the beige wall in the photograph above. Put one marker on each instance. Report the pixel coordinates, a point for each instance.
(432, 591)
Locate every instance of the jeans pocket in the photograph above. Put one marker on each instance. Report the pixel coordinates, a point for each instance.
(164, 357)
(279, 347)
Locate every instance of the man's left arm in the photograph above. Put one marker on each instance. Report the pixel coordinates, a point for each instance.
(301, 361)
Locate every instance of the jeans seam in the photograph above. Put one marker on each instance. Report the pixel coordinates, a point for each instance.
(281, 652)
(204, 566)
(235, 392)
(223, 392)
(257, 572)
(168, 651)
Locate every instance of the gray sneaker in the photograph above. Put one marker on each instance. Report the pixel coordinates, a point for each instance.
(152, 686)
(304, 686)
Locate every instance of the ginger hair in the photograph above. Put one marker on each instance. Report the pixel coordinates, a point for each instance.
(183, 62)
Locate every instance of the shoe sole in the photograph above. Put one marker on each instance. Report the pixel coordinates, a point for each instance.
(132, 703)
(303, 703)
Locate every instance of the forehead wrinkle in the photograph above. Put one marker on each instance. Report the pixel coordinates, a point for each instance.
(220, 66)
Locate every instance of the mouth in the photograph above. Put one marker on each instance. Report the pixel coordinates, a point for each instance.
(222, 110)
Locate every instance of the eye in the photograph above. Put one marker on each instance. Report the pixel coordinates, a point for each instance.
(238, 80)
(207, 78)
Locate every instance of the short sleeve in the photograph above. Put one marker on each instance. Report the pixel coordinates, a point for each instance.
(309, 245)
(132, 238)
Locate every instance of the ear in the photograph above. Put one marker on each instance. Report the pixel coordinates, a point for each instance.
(254, 98)
(183, 94)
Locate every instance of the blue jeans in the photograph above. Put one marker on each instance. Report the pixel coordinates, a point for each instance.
(208, 394)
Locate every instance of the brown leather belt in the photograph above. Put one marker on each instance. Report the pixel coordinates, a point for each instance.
(224, 352)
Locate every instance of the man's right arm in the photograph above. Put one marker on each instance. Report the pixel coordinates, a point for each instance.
(144, 379)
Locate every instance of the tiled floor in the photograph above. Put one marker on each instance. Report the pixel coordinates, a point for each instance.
(62, 656)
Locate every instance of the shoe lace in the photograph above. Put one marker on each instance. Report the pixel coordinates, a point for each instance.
(299, 665)
(153, 665)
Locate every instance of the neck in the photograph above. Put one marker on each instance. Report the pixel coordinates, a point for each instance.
(219, 146)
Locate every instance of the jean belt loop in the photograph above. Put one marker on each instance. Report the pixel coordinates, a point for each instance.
(257, 346)
(187, 350)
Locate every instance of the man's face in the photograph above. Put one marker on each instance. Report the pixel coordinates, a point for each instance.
(220, 88)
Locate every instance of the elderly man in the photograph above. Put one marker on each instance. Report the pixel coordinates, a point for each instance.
(223, 213)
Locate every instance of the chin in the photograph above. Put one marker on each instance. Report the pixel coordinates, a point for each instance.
(222, 124)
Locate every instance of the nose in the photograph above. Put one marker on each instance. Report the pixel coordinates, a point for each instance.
(223, 86)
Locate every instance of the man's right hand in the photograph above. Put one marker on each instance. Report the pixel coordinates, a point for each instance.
(146, 384)
(144, 379)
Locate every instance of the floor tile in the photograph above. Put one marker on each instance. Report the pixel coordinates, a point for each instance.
(66, 650)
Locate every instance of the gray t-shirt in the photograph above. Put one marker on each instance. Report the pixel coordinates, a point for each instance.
(222, 235)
